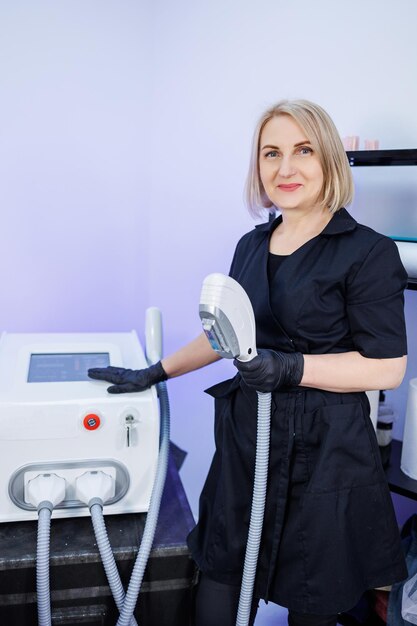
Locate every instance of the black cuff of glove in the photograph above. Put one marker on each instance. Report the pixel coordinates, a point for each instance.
(157, 373)
(295, 369)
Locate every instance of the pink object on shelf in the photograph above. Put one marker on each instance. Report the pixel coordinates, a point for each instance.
(371, 144)
(351, 142)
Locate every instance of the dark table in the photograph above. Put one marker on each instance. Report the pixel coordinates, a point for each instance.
(79, 590)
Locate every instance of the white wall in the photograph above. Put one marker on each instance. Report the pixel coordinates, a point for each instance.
(124, 141)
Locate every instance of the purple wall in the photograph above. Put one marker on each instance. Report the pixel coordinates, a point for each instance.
(74, 251)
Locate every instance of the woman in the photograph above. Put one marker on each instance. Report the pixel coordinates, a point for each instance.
(328, 300)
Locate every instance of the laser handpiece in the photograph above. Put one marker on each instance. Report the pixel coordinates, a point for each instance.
(227, 317)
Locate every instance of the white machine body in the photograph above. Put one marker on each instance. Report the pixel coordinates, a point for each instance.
(408, 254)
(54, 419)
(227, 317)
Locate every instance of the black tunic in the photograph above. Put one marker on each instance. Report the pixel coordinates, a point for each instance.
(330, 531)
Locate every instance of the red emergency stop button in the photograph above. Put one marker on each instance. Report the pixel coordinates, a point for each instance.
(91, 421)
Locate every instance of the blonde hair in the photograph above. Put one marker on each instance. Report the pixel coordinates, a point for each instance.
(337, 188)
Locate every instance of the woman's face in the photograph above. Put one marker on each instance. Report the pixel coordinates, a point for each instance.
(290, 170)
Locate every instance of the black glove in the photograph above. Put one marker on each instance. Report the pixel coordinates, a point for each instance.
(126, 381)
(271, 370)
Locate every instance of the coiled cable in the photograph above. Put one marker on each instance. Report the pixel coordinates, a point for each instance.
(42, 564)
(153, 512)
(107, 556)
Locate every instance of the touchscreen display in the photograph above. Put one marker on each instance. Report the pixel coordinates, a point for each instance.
(58, 368)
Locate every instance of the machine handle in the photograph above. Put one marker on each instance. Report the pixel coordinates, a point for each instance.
(153, 335)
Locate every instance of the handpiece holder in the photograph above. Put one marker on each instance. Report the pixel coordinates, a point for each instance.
(227, 317)
(153, 335)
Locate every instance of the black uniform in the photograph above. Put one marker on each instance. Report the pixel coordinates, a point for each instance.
(330, 531)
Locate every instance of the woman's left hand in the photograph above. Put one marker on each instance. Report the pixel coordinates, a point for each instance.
(271, 370)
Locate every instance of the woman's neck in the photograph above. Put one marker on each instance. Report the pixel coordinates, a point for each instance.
(296, 229)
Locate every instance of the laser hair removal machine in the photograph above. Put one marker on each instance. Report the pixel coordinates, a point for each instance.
(66, 445)
(54, 419)
(229, 323)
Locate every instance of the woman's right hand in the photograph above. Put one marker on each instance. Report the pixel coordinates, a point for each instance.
(271, 370)
(126, 380)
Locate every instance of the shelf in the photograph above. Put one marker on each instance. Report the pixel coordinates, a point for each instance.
(382, 157)
(398, 481)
